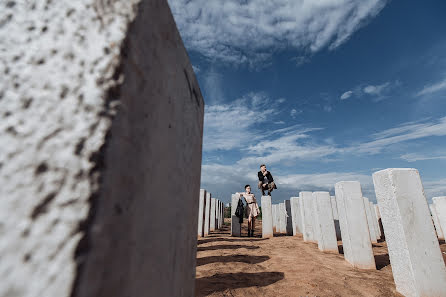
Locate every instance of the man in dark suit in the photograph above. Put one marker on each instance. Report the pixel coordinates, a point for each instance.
(266, 181)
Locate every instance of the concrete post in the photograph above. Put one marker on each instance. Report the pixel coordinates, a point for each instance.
(282, 217)
(295, 215)
(440, 208)
(101, 134)
(235, 223)
(306, 206)
(217, 215)
(220, 214)
(274, 212)
(201, 202)
(316, 226)
(374, 220)
(370, 224)
(207, 214)
(289, 218)
(267, 217)
(327, 238)
(437, 225)
(380, 225)
(336, 217)
(353, 221)
(212, 216)
(417, 264)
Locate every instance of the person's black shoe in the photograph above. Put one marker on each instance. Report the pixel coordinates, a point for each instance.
(252, 233)
(249, 233)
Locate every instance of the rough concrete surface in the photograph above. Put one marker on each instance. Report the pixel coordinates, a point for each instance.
(267, 217)
(90, 98)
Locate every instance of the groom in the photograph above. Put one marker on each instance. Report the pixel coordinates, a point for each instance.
(266, 181)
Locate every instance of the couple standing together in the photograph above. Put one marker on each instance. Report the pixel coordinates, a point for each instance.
(266, 183)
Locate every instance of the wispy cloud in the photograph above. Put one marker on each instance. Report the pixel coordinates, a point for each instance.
(377, 92)
(346, 95)
(413, 157)
(433, 88)
(241, 32)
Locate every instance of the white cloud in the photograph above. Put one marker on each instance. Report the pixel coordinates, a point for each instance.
(301, 60)
(346, 95)
(196, 69)
(213, 86)
(376, 90)
(239, 32)
(434, 188)
(433, 88)
(413, 157)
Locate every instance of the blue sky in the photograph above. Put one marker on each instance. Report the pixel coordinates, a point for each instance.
(320, 91)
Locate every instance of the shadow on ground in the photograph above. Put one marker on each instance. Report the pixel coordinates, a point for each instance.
(382, 261)
(202, 241)
(226, 247)
(233, 258)
(226, 281)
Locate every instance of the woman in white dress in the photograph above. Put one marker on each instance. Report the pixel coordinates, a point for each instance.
(252, 209)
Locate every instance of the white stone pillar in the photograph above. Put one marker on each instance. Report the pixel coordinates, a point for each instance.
(235, 223)
(289, 218)
(212, 216)
(267, 217)
(327, 238)
(316, 226)
(375, 220)
(282, 217)
(222, 219)
(353, 221)
(201, 202)
(295, 214)
(306, 206)
(436, 221)
(370, 224)
(217, 214)
(417, 264)
(207, 214)
(440, 208)
(336, 217)
(378, 219)
(274, 212)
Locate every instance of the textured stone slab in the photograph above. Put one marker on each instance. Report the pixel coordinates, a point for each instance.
(201, 203)
(354, 228)
(212, 215)
(101, 133)
(327, 237)
(374, 220)
(334, 207)
(282, 217)
(235, 223)
(295, 214)
(417, 264)
(267, 217)
(440, 208)
(207, 214)
(289, 218)
(370, 224)
(316, 226)
(306, 204)
(436, 221)
(275, 219)
(378, 218)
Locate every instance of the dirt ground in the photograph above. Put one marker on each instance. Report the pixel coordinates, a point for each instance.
(284, 266)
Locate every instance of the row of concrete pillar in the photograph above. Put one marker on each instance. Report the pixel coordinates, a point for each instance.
(210, 213)
(402, 211)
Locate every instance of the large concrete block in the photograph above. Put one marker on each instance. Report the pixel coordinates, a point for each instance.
(440, 208)
(436, 221)
(327, 238)
(212, 215)
(220, 214)
(289, 218)
(370, 224)
(417, 264)
(378, 218)
(267, 217)
(275, 219)
(201, 202)
(207, 214)
(316, 226)
(334, 207)
(236, 230)
(306, 205)
(101, 129)
(354, 228)
(295, 214)
(374, 220)
(282, 217)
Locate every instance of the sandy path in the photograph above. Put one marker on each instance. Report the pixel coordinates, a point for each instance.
(284, 266)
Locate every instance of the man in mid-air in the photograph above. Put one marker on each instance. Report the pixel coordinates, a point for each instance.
(266, 181)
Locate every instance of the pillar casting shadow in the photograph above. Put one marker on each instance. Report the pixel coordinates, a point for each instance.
(382, 261)
(232, 258)
(226, 281)
(226, 247)
(341, 249)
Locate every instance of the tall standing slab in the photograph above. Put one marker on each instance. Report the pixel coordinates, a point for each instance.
(370, 220)
(378, 218)
(295, 214)
(306, 205)
(236, 230)
(267, 217)
(334, 207)
(417, 264)
(354, 228)
(316, 226)
(374, 220)
(436, 221)
(201, 202)
(96, 108)
(212, 215)
(274, 212)
(327, 238)
(440, 208)
(289, 218)
(207, 214)
(282, 217)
